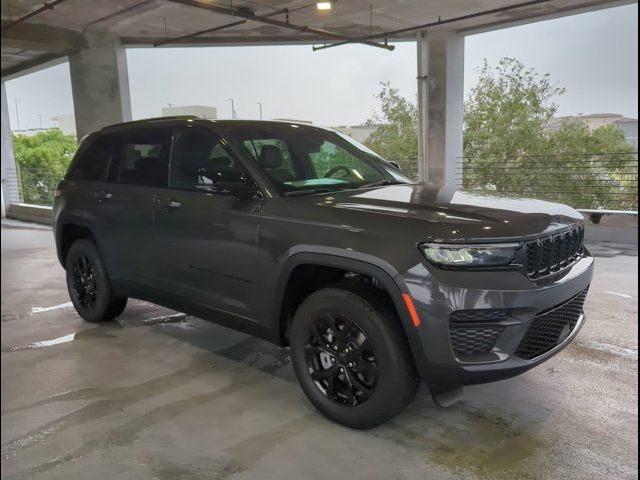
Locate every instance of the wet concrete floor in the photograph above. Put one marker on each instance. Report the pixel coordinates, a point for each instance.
(165, 396)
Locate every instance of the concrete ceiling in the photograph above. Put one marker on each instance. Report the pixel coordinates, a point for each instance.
(55, 32)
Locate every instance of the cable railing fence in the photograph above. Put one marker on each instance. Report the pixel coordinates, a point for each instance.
(31, 185)
(606, 181)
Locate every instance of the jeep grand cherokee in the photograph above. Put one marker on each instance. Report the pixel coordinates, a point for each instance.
(308, 239)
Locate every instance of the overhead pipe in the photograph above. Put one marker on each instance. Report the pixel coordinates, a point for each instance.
(435, 23)
(45, 7)
(215, 29)
(248, 15)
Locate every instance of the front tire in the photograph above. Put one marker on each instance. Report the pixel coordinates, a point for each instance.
(351, 357)
(88, 284)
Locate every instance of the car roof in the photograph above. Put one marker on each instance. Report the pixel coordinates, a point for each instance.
(184, 120)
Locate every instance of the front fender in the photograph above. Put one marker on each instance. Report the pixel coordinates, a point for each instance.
(360, 263)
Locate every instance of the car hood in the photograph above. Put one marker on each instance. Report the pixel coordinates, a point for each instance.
(452, 214)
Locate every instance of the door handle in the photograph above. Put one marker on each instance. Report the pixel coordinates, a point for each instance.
(102, 196)
(170, 204)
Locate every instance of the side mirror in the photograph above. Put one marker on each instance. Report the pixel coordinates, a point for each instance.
(238, 189)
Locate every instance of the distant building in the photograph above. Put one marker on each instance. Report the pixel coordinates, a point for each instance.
(209, 113)
(357, 132)
(629, 126)
(66, 123)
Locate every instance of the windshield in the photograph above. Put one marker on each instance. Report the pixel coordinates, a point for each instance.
(302, 159)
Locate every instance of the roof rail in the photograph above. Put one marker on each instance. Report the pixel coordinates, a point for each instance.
(155, 119)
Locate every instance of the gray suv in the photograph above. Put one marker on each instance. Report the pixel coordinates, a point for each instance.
(308, 239)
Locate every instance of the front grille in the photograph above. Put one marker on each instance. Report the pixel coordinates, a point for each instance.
(471, 339)
(550, 254)
(550, 328)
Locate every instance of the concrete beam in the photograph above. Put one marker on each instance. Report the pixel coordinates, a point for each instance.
(41, 38)
(35, 64)
(543, 16)
(99, 83)
(440, 106)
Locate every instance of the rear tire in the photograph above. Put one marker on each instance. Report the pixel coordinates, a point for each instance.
(88, 284)
(351, 357)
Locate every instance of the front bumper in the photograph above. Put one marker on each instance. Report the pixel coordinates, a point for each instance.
(437, 294)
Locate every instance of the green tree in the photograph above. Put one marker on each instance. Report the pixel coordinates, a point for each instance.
(592, 168)
(42, 160)
(507, 147)
(395, 134)
(506, 112)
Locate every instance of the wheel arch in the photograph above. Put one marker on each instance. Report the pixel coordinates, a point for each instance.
(383, 273)
(70, 229)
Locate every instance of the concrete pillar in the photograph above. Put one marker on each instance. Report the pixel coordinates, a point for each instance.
(10, 188)
(440, 106)
(100, 83)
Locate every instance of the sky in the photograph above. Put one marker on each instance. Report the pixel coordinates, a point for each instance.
(593, 55)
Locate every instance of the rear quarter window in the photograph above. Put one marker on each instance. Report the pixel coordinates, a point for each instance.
(93, 161)
(143, 158)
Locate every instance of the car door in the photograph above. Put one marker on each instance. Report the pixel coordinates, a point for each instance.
(208, 236)
(139, 170)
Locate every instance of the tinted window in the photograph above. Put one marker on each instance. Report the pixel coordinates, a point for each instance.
(286, 169)
(332, 161)
(200, 161)
(143, 158)
(93, 161)
(301, 158)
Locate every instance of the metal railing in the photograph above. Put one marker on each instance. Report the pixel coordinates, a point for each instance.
(32, 186)
(582, 180)
(409, 166)
(586, 181)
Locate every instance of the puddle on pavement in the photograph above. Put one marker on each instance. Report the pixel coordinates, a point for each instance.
(466, 440)
(49, 309)
(610, 348)
(177, 319)
(10, 316)
(90, 333)
(139, 322)
(490, 447)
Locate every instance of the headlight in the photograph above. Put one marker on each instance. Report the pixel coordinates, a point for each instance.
(449, 255)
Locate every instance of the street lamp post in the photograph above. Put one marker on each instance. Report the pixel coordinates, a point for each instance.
(260, 105)
(233, 109)
(17, 116)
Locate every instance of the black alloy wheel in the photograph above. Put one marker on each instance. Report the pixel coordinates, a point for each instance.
(89, 286)
(350, 355)
(341, 360)
(84, 282)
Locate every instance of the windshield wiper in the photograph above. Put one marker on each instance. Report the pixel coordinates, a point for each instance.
(380, 183)
(310, 191)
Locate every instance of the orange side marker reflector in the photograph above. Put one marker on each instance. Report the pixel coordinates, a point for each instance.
(408, 301)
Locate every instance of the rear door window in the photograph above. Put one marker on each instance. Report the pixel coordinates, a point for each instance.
(143, 158)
